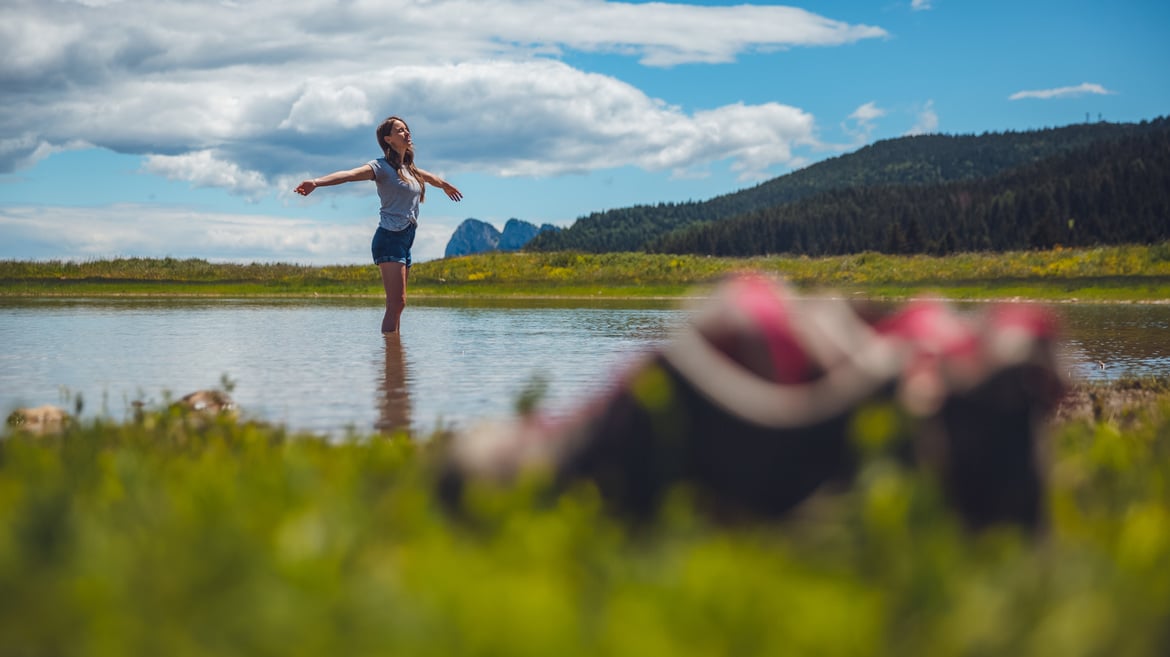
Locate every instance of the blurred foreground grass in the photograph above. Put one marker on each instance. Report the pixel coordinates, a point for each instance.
(168, 535)
(1129, 273)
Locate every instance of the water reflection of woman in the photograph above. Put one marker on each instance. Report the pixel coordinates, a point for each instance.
(394, 408)
(401, 188)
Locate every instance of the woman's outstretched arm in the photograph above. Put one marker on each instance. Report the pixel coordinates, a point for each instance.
(364, 172)
(449, 189)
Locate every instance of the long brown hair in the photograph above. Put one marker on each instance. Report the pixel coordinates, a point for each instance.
(407, 159)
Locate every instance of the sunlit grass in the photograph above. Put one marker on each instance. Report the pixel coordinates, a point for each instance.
(172, 535)
(1104, 273)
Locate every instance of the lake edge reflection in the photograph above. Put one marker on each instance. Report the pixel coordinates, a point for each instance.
(321, 365)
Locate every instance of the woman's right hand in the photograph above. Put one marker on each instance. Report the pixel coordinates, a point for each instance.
(306, 187)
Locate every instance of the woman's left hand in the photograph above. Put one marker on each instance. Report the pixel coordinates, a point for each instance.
(452, 193)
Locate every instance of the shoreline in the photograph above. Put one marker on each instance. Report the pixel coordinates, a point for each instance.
(1135, 274)
(615, 293)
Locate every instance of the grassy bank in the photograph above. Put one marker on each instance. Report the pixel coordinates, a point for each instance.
(1127, 273)
(171, 536)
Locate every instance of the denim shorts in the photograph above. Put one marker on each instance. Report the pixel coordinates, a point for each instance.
(393, 245)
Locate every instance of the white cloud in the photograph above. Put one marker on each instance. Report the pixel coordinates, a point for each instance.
(860, 124)
(157, 231)
(141, 34)
(242, 95)
(204, 169)
(544, 118)
(145, 230)
(666, 35)
(867, 113)
(927, 121)
(430, 240)
(754, 137)
(920, 5)
(27, 149)
(322, 107)
(1062, 92)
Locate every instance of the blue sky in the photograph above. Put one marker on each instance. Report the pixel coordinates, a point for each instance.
(163, 128)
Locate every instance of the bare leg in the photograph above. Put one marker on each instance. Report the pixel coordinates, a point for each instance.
(394, 275)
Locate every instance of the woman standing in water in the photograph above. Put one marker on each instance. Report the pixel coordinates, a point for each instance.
(401, 187)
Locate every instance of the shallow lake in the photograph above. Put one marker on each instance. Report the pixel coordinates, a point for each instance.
(322, 366)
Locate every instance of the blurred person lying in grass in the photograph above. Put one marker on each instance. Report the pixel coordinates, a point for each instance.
(764, 398)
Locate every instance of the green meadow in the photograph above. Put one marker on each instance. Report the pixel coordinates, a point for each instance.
(170, 534)
(1122, 273)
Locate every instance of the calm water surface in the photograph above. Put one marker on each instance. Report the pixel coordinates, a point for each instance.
(324, 367)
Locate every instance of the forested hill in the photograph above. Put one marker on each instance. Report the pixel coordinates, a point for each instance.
(1112, 191)
(919, 160)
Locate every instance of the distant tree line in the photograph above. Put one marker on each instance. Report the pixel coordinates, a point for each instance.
(895, 195)
(1110, 192)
